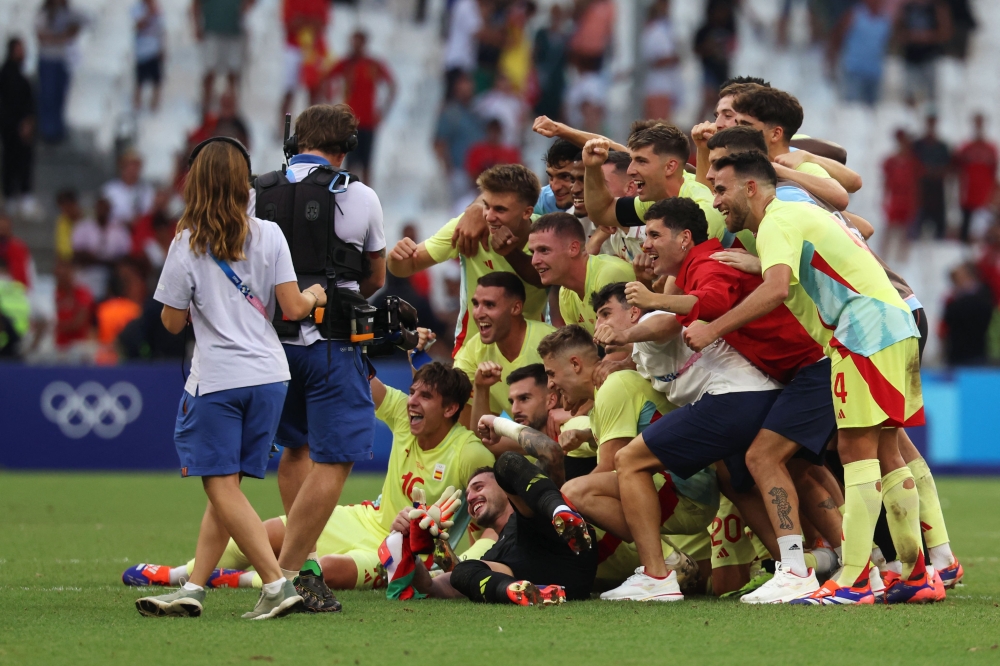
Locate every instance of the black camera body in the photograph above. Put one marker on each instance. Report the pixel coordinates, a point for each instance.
(393, 326)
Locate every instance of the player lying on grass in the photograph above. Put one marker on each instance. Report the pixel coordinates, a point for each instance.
(430, 450)
(534, 550)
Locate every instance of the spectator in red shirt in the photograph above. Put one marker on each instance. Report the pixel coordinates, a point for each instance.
(976, 162)
(491, 151)
(305, 48)
(901, 196)
(14, 252)
(74, 307)
(361, 77)
(227, 122)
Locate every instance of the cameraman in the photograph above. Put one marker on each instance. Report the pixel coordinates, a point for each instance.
(329, 415)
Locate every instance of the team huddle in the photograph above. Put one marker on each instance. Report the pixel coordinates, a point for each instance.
(667, 381)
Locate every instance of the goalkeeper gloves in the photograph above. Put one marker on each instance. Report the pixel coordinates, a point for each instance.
(430, 522)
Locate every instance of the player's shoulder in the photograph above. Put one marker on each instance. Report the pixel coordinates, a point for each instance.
(619, 384)
(538, 329)
(813, 170)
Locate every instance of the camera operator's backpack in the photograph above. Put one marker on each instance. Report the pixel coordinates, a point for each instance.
(304, 211)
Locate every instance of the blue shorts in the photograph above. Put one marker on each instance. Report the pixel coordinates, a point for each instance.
(716, 427)
(329, 404)
(804, 412)
(229, 431)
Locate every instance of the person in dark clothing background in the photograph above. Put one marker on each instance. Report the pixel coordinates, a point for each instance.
(17, 126)
(967, 315)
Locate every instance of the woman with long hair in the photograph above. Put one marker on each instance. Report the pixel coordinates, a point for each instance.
(225, 271)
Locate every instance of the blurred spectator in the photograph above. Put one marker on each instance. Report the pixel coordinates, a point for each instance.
(585, 102)
(658, 45)
(976, 164)
(125, 305)
(306, 59)
(14, 253)
(17, 131)
(490, 152)
(714, 43)
(146, 338)
(550, 55)
(74, 307)
(963, 23)
(152, 229)
(595, 23)
(458, 128)
(988, 264)
(901, 197)
(823, 16)
(97, 244)
(935, 160)
(857, 49)
(227, 122)
(149, 50)
(70, 213)
(515, 57)
(420, 281)
(14, 312)
(462, 45)
(129, 196)
(57, 27)
(490, 41)
(361, 76)
(923, 27)
(503, 104)
(968, 311)
(218, 25)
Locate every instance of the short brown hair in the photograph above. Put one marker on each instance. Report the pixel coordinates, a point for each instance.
(563, 224)
(325, 127)
(772, 107)
(452, 384)
(666, 139)
(515, 178)
(738, 88)
(565, 338)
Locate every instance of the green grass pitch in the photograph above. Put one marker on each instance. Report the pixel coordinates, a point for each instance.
(65, 539)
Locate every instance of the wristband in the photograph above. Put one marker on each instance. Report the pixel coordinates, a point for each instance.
(507, 428)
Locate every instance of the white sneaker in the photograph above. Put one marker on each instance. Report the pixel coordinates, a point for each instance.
(640, 587)
(784, 587)
(877, 584)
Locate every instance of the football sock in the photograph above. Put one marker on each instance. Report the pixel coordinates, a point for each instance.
(247, 579)
(862, 500)
(931, 518)
(315, 558)
(255, 581)
(177, 574)
(516, 476)
(274, 587)
(895, 566)
(878, 559)
(191, 587)
(941, 556)
(290, 575)
(903, 515)
(824, 561)
(481, 584)
(791, 554)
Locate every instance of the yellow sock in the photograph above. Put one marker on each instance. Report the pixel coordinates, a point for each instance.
(862, 501)
(257, 582)
(810, 561)
(190, 566)
(930, 506)
(902, 510)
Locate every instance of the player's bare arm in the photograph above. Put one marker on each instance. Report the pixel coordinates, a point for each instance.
(376, 276)
(407, 258)
(849, 178)
(533, 443)
(596, 195)
(471, 232)
(701, 133)
(552, 129)
(765, 298)
(827, 189)
(640, 296)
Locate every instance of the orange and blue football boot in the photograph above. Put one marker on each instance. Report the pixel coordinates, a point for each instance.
(952, 575)
(939, 592)
(224, 578)
(832, 594)
(142, 575)
(573, 529)
(526, 593)
(917, 588)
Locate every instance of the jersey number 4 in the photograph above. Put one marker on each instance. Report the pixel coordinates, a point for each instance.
(409, 480)
(839, 389)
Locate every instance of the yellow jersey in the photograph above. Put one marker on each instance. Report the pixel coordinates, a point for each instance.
(602, 270)
(624, 406)
(450, 463)
(439, 248)
(474, 352)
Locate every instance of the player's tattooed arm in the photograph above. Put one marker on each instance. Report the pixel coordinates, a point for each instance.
(782, 507)
(548, 452)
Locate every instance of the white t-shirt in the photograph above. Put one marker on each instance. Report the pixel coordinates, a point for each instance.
(128, 201)
(463, 24)
(358, 218)
(107, 243)
(657, 42)
(506, 108)
(720, 369)
(235, 345)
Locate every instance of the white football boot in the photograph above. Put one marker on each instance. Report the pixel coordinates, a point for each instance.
(784, 587)
(640, 587)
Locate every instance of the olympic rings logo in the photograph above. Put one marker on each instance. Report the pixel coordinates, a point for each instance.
(90, 407)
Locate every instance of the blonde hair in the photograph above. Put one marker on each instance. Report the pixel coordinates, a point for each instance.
(216, 195)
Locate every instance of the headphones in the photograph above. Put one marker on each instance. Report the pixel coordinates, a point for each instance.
(224, 139)
(291, 145)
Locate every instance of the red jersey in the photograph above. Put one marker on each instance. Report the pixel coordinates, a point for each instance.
(74, 315)
(902, 188)
(15, 253)
(776, 343)
(306, 17)
(483, 155)
(361, 78)
(977, 168)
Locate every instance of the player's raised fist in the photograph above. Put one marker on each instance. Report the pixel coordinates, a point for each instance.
(488, 374)
(638, 295)
(595, 152)
(702, 132)
(545, 126)
(485, 430)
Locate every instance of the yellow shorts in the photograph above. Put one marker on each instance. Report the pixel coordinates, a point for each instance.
(730, 543)
(881, 389)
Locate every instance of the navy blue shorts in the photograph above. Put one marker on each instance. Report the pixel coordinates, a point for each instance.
(804, 412)
(229, 431)
(716, 427)
(329, 404)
